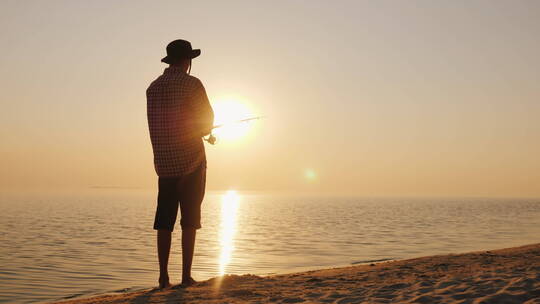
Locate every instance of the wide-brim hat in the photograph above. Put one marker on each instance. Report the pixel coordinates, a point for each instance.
(178, 50)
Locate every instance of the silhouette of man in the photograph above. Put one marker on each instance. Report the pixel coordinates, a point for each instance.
(179, 115)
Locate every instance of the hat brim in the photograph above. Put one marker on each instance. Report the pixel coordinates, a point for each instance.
(169, 59)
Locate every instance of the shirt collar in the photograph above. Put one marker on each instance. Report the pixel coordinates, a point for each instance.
(174, 70)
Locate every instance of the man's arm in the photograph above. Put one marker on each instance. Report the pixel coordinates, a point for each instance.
(202, 111)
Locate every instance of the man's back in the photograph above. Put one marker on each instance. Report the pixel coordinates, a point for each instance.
(178, 114)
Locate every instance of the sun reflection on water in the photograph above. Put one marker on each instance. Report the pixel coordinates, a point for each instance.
(229, 206)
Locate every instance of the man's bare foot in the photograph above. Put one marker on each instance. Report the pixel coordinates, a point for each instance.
(187, 282)
(164, 282)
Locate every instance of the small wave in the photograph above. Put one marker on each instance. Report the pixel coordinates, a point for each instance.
(372, 261)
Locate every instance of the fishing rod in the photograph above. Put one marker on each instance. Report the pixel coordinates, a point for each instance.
(237, 121)
(211, 139)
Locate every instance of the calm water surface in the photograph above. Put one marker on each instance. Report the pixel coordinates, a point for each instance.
(65, 245)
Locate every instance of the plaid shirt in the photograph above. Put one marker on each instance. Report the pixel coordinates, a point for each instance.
(179, 114)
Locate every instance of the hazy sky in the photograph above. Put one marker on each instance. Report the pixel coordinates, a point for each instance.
(364, 97)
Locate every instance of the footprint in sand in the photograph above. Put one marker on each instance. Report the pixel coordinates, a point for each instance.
(350, 300)
(293, 300)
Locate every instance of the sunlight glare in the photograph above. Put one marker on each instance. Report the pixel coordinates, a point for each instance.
(229, 206)
(227, 112)
(310, 174)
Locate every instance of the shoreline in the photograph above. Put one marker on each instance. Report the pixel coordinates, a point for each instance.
(510, 275)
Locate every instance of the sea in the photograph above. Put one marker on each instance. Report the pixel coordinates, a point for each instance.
(58, 246)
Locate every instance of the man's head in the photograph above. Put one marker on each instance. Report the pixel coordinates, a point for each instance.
(180, 53)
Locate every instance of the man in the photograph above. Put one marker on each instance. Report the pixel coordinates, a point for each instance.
(179, 115)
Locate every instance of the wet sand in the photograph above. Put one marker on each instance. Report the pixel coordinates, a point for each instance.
(500, 276)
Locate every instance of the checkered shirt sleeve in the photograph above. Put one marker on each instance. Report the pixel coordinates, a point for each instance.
(179, 114)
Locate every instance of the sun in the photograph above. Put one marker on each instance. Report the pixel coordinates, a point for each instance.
(227, 112)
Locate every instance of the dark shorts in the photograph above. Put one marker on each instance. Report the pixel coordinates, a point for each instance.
(185, 191)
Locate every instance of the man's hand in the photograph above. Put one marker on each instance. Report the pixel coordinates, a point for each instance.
(211, 139)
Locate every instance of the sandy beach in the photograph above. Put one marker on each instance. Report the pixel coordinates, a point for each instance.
(509, 275)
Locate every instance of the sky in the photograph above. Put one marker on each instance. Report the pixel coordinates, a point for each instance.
(412, 98)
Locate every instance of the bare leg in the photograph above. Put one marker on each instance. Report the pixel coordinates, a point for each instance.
(164, 247)
(188, 247)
